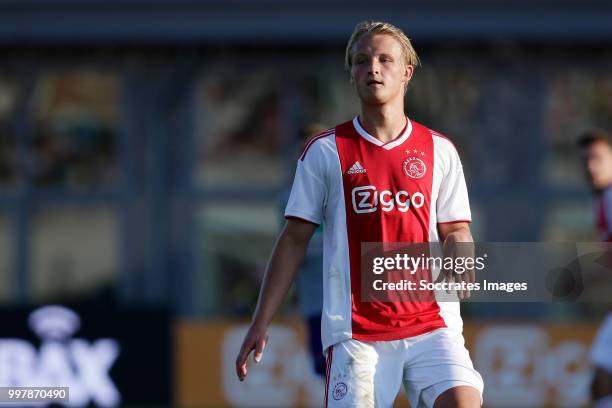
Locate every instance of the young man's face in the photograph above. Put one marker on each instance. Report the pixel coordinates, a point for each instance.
(598, 160)
(379, 71)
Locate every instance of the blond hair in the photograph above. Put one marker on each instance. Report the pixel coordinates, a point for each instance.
(380, 27)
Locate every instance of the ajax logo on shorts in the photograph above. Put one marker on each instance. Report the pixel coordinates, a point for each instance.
(367, 199)
(340, 390)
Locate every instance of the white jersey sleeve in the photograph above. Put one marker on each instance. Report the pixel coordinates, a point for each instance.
(309, 191)
(453, 203)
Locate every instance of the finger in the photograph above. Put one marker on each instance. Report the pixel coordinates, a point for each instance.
(260, 345)
(241, 366)
(441, 276)
(450, 278)
(469, 278)
(466, 283)
(472, 275)
(444, 276)
(459, 280)
(241, 361)
(464, 287)
(243, 371)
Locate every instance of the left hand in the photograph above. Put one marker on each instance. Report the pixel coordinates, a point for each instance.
(456, 247)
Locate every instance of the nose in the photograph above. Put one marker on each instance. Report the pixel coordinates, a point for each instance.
(374, 67)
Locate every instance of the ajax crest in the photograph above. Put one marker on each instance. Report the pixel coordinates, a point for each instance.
(340, 391)
(414, 167)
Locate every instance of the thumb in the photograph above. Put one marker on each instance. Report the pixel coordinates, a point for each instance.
(260, 345)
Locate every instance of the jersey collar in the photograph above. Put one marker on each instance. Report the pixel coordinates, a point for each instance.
(389, 145)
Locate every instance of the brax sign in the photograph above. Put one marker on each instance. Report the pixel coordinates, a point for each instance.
(102, 354)
(61, 360)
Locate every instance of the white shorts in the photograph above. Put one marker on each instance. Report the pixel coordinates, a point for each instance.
(370, 373)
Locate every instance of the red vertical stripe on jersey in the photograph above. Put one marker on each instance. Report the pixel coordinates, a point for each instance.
(602, 222)
(330, 354)
(388, 171)
(328, 132)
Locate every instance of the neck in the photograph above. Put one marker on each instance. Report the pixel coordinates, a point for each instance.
(384, 122)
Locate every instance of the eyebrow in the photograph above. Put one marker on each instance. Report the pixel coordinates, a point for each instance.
(359, 54)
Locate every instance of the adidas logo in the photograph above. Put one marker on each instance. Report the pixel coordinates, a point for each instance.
(356, 168)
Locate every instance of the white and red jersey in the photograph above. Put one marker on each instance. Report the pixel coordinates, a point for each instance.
(364, 190)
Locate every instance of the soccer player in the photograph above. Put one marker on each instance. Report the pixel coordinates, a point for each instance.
(379, 177)
(597, 156)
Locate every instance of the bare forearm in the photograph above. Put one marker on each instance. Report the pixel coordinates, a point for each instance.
(459, 232)
(281, 270)
(461, 235)
(284, 263)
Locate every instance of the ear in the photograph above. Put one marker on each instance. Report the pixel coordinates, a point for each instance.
(408, 71)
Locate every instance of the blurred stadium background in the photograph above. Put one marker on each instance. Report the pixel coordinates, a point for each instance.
(144, 146)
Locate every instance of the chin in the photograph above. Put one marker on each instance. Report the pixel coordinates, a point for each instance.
(598, 187)
(372, 99)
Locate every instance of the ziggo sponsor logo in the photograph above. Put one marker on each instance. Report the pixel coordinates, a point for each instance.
(367, 199)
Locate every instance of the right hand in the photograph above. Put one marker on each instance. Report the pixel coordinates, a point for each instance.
(255, 339)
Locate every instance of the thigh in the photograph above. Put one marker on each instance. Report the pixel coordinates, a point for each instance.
(452, 394)
(363, 374)
(438, 362)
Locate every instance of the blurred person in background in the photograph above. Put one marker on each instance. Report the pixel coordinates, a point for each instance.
(368, 179)
(596, 147)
